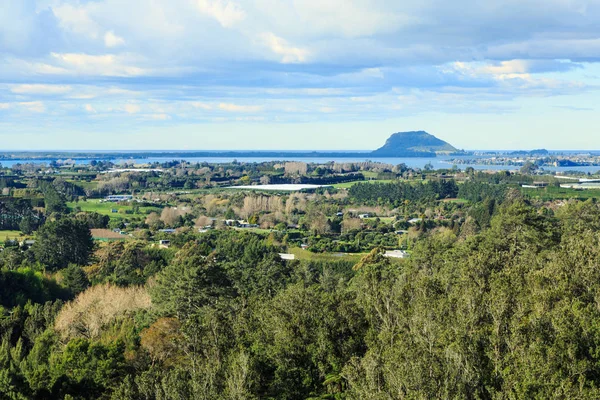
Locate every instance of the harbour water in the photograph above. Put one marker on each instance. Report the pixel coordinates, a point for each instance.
(441, 162)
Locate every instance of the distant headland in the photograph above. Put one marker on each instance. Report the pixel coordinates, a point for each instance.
(400, 144)
(414, 144)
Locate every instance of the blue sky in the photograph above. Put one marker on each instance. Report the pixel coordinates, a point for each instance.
(298, 74)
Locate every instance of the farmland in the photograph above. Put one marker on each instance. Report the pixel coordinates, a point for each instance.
(113, 210)
(557, 193)
(10, 235)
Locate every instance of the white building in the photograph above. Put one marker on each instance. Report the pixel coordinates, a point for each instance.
(396, 254)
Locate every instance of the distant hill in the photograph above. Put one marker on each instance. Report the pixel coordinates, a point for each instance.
(537, 152)
(414, 144)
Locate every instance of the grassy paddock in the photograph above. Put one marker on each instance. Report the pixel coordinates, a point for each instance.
(558, 193)
(106, 209)
(459, 201)
(5, 235)
(347, 185)
(307, 255)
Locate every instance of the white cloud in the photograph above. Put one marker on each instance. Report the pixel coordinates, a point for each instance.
(4, 106)
(497, 71)
(159, 117)
(76, 20)
(132, 108)
(101, 65)
(239, 108)
(203, 106)
(112, 40)
(335, 18)
(512, 67)
(33, 106)
(40, 89)
(226, 12)
(89, 108)
(279, 46)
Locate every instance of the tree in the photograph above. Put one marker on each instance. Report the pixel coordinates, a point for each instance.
(62, 242)
(55, 202)
(27, 225)
(528, 168)
(87, 369)
(75, 279)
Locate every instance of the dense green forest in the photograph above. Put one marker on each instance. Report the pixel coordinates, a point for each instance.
(510, 312)
(500, 297)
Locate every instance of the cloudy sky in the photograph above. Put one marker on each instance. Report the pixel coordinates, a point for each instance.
(298, 74)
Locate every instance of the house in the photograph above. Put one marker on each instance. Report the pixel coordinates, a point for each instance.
(117, 198)
(363, 216)
(167, 230)
(164, 244)
(28, 242)
(340, 214)
(536, 185)
(287, 257)
(396, 254)
(304, 246)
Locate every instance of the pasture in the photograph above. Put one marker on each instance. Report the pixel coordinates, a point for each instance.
(123, 210)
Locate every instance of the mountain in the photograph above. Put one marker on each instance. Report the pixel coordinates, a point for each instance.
(414, 144)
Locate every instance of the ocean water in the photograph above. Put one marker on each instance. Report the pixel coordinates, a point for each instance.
(442, 162)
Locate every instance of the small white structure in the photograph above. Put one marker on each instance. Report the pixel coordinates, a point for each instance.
(118, 170)
(415, 221)
(288, 257)
(164, 244)
(281, 187)
(363, 216)
(118, 198)
(396, 254)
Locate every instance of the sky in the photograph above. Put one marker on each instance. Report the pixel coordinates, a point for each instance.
(298, 74)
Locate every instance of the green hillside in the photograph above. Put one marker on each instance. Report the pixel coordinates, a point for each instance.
(414, 143)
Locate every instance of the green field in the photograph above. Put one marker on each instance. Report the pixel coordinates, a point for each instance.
(107, 209)
(558, 193)
(369, 174)
(307, 255)
(347, 185)
(383, 219)
(5, 235)
(84, 184)
(458, 201)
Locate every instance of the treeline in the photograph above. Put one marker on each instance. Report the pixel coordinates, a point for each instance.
(18, 214)
(478, 191)
(395, 193)
(318, 180)
(509, 310)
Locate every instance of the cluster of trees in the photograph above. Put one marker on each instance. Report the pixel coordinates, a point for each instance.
(395, 193)
(475, 191)
(499, 298)
(507, 312)
(18, 214)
